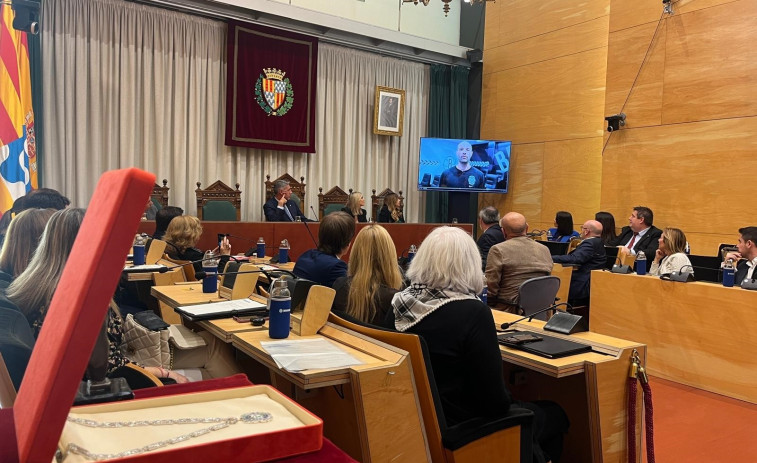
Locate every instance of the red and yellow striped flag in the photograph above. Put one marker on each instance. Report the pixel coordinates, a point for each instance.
(18, 155)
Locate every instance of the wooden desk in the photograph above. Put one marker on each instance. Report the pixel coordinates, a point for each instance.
(403, 234)
(186, 294)
(591, 387)
(368, 410)
(699, 334)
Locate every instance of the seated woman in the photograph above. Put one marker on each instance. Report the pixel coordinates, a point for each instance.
(563, 230)
(354, 206)
(33, 290)
(670, 256)
(20, 242)
(373, 277)
(322, 265)
(441, 306)
(391, 211)
(608, 227)
(182, 235)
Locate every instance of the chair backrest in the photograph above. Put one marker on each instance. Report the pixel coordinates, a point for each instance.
(159, 195)
(219, 202)
(573, 244)
(422, 375)
(564, 273)
(155, 251)
(299, 288)
(556, 248)
(612, 256)
(298, 189)
(707, 268)
(724, 249)
(377, 201)
(331, 201)
(538, 293)
(168, 278)
(238, 286)
(186, 266)
(7, 389)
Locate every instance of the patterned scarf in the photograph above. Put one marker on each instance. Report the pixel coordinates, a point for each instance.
(417, 301)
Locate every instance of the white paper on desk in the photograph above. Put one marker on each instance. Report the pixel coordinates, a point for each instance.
(308, 354)
(143, 268)
(268, 268)
(225, 307)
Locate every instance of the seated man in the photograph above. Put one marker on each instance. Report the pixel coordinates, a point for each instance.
(589, 255)
(323, 265)
(514, 261)
(488, 220)
(639, 235)
(280, 208)
(746, 257)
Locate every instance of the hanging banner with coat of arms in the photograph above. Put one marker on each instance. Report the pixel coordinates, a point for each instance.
(270, 96)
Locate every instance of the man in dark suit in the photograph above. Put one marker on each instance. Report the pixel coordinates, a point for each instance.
(280, 208)
(746, 256)
(639, 235)
(589, 255)
(488, 220)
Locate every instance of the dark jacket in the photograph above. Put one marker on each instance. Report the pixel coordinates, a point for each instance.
(319, 267)
(382, 300)
(274, 214)
(385, 216)
(493, 235)
(589, 255)
(741, 270)
(192, 255)
(647, 243)
(360, 217)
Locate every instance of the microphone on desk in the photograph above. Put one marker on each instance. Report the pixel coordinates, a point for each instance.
(250, 251)
(561, 322)
(317, 219)
(618, 268)
(680, 275)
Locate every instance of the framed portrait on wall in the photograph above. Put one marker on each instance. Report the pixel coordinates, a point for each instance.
(388, 111)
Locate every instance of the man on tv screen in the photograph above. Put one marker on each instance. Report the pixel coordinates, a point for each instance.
(463, 174)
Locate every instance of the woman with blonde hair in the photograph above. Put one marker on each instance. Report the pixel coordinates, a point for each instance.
(670, 256)
(373, 277)
(21, 241)
(182, 235)
(354, 207)
(391, 211)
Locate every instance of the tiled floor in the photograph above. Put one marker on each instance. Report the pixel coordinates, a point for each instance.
(696, 426)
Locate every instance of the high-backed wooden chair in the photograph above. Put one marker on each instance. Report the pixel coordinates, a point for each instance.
(377, 201)
(298, 189)
(219, 202)
(159, 195)
(331, 201)
(506, 439)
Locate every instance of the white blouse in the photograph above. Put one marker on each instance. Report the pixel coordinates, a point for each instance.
(672, 263)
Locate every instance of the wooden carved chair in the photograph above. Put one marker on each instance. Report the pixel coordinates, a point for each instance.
(506, 439)
(298, 189)
(331, 201)
(219, 202)
(377, 201)
(159, 195)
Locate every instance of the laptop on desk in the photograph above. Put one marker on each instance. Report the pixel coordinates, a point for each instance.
(545, 346)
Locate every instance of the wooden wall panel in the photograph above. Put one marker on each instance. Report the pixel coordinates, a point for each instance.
(525, 194)
(515, 20)
(625, 14)
(557, 99)
(626, 51)
(711, 64)
(567, 41)
(685, 173)
(572, 179)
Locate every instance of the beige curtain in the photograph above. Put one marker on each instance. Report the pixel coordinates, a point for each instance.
(130, 85)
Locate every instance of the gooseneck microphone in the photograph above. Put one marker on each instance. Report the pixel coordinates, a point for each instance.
(680, 275)
(317, 219)
(310, 233)
(506, 326)
(618, 268)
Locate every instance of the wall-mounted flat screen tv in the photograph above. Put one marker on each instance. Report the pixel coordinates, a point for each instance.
(464, 165)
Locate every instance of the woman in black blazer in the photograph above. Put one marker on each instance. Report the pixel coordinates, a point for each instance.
(354, 206)
(391, 211)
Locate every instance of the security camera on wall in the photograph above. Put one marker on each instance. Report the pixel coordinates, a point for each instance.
(615, 122)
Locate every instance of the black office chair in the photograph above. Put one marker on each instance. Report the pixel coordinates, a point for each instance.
(537, 294)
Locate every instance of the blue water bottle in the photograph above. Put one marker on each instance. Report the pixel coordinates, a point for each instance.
(210, 267)
(280, 305)
(261, 248)
(641, 263)
(411, 253)
(728, 273)
(284, 252)
(138, 250)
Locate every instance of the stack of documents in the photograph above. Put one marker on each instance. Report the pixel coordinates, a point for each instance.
(308, 354)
